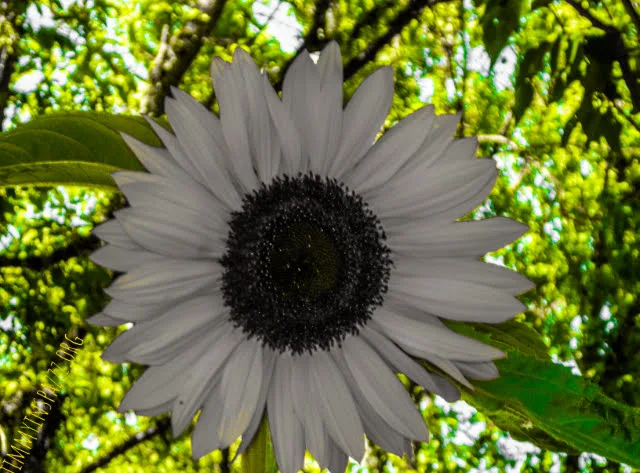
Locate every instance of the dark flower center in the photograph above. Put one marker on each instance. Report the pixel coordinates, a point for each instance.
(305, 263)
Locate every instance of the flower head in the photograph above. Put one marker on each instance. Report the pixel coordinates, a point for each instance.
(278, 260)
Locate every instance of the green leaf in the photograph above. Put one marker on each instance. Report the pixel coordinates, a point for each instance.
(259, 456)
(71, 149)
(542, 402)
(501, 18)
(540, 3)
(532, 63)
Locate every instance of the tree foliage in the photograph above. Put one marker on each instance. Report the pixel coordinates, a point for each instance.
(550, 87)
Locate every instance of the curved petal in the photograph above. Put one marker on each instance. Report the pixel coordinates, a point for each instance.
(336, 404)
(121, 259)
(227, 412)
(176, 152)
(331, 90)
(155, 159)
(164, 282)
(260, 129)
(199, 133)
(391, 151)
(436, 339)
(383, 390)
(159, 385)
(286, 430)
(338, 459)
(103, 320)
(156, 341)
(425, 194)
(114, 233)
(459, 239)
(287, 133)
(233, 117)
(466, 270)
(202, 376)
(172, 231)
(455, 299)
(480, 370)
(129, 312)
(147, 190)
(304, 396)
(377, 429)
(363, 118)
(301, 96)
(269, 358)
(404, 364)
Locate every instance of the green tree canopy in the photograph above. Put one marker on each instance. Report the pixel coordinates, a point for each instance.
(551, 89)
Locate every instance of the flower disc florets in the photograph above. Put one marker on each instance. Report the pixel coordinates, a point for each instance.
(305, 263)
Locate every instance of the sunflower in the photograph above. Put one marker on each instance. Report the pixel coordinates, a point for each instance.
(278, 260)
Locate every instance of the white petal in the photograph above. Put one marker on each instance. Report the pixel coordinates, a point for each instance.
(336, 404)
(129, 312)
(286, 430)
(241, 382)
(376, 428)
(151, 191)
(383, 390)
(103, 320)
(159, 385)
(158, 340)
(331, 84)
(338, 458)
(404, 364)
(301, 96)
(481, 370)
(260, 128)
(154, 411)
(431, 192)
(363, 117)
(269, 358)
(448, 366)
(202, 376)
(113, 232)
(155, 159)
(178, 234)
(231, 405)
(200, 136)
(175, 150)
(391, 151)
(454, 299)
(165, 281)
(457, 239)
(304, 396)
(120, 259)
(233, 115)
(286, 129)
(169, 333)
(205, 439)
(464, 269)
(436, 339)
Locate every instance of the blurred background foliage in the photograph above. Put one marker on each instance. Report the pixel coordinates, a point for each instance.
(550, 87)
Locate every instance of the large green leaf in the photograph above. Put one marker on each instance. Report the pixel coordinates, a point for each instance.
(72, 149)
(531, 64)
(544, 403)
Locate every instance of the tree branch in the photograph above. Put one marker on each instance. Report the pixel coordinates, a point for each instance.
(80, 247)
(412, 10)
(620, 54)
(311, 40)
(176, 54)
(138, 438)
(9, 52)
(635, 17)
